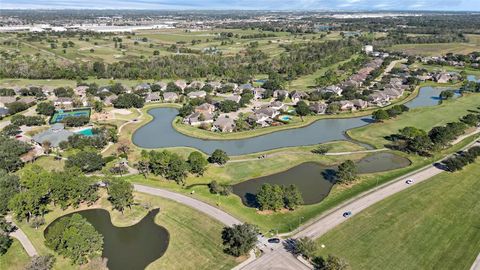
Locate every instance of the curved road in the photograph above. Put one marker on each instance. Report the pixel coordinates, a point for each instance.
(280, 258)
(23, 239)
(206, 208)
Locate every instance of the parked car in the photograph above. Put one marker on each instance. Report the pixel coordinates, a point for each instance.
(347, 214)
(274, 240)
(409, 181)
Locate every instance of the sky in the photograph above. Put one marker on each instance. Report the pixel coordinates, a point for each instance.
(350, 5)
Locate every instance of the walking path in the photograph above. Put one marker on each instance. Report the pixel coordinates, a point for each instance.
(23, 239)
(214, 212)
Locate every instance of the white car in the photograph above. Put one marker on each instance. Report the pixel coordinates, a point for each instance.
(409, 181)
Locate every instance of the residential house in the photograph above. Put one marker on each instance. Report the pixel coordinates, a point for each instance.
(103, 90)
(163, 86)
(332, 89)
(258, 92)
(318, 108)
(224, 124)
(442, 77)
(215, 85)
(378, 98)
(235, 98)
(205, 108)
(198, 118)
(55, 134)
(27, 100)
(170, 96)
(360, 104)
(108, 101)
(346, 105)
(260, 118)
(246, 86)
(6, 100)
(81, 91)
(393, 93)
(296, 96)
(63, 102)
(196, 84)
(197, 94)
(142, 87)
(280, 93)
(277, 105)
(153, 97)
(181, 84)
(268, 111)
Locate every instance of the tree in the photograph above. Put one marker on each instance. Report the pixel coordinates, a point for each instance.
(120, 194)
(143, 167)
(227, 106)
(216, 188)
(76, 121)
(239, 239)
(70, 188)
(347, 172)
(218, 156)
(16, 106)
(302, 109)
(45, 108)
(321, 150)
(333, 108)
(270, 197)
(292, 197)
(129, 100)
(47, 147)
(305, 246)
(11, 130)
(75, 238)
(331, 263)
(10, 152)
(41, 262)
(446, 94)
(380, 115)
(197, 162)
(5, 243)
(86, 161)
(123, 148)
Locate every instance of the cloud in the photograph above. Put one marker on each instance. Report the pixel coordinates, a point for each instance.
(448, 5)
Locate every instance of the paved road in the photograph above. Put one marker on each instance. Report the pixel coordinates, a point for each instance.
(279, 259)
(476, 263)
(23, 239)
(196, 204)
(356, 205)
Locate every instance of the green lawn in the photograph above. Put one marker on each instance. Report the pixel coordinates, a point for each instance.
(424, 118)
(195, 241)
(435, 225)
(16, 257)
(438, 49)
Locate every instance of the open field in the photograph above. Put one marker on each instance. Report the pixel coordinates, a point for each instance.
(424, 118)
(188, 249)
(437, 49)
(430, 226)
(15, 259)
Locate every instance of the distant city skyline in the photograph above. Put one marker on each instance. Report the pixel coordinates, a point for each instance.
(346, 5)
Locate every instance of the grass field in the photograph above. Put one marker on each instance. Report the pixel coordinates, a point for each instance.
(424, 118)
(16, 257)
(438, 49)
(195, 241)
(434, 225)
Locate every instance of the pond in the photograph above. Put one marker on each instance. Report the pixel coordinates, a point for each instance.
(314, 180)
(128, 248)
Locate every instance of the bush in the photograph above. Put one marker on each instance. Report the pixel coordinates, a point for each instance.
(218, 156)
(216, 188)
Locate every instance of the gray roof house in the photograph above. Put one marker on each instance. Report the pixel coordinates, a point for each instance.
(333, 89)
(278, 93)
(224, 124)
(108, 101)
(197, 84)
(197, 94)
(142, 86)
(55, 134)
(318, 108)
(198, 118)
(170, 96)
(258, 92)
(297, 96)
(181, 83)
(163, 86)
(3, 111)
(235, 98)
(153, 97)
(6, 100)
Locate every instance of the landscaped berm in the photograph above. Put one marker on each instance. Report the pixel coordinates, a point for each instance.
(59, 115)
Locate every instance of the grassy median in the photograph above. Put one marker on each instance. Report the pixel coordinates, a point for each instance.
(434, 225)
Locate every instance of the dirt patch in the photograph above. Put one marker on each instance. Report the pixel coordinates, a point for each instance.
(121, 111)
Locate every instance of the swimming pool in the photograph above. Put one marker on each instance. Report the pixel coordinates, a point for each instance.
(86, 132)
(285, 118)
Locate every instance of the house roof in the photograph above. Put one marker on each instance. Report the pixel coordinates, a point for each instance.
(170, 95)
(224, 123)
(54, 135)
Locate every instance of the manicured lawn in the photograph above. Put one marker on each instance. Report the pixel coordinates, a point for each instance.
(16, 257)
(424, 118)
(195, 241)
(434, 225)
(437, 49)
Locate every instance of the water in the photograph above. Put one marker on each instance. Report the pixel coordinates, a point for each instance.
(86, 132)
(128, 248)
(314, 180)
(159, 133)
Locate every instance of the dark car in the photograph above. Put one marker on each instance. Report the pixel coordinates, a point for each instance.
(274, 240)
(347, 214)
